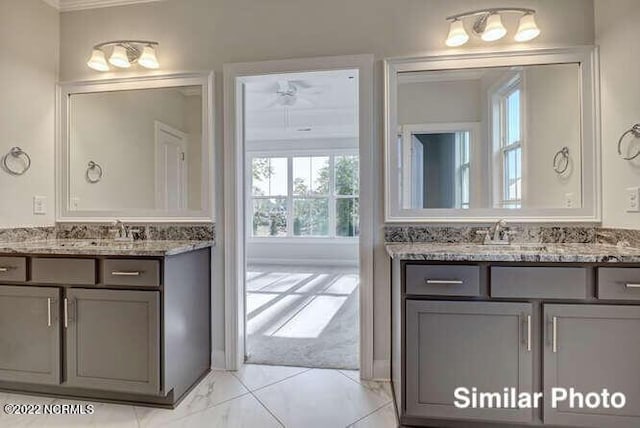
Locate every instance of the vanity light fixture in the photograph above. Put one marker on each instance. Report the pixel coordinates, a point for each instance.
(488, 25)
(123, 54)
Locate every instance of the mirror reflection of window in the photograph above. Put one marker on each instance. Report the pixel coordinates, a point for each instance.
(507, 141)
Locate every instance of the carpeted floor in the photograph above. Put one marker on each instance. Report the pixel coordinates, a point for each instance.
(305, 317)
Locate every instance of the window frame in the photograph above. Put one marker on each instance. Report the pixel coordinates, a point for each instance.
(290, 197)
(498, 95)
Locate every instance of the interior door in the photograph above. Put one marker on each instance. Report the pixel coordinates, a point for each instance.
(588, 348)
(113, 340)
(29, 334)
(171, 168)
(486, 345)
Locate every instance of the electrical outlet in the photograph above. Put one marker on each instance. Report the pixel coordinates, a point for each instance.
(569, 200)
(75, 203)
(39, 205)
(633, 199)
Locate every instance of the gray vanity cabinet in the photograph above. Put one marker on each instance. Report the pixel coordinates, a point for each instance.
(113, 340)
(29, 334)
(466, 344)
(591, 347)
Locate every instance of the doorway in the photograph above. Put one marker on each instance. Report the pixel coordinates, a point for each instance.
(302, 218)
(298, 276)
(171, 167)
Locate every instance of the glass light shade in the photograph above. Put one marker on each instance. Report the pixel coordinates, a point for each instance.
(148, 58)
(457, 34)
(494, 29)
(97, 61)
(527, 29)
(119, 57)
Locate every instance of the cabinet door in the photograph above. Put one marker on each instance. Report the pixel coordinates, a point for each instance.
(113, 340)
(593, 347)
(486, 345)
(29, 334)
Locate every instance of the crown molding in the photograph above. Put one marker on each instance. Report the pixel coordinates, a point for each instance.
(70, 5)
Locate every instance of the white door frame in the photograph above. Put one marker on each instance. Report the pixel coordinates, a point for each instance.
(234, 223)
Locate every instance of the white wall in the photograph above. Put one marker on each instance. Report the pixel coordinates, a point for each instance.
(29, 36)
(617, 33)
(205, 34)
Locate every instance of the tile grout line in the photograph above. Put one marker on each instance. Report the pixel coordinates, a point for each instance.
(198, 411)
(267, 409)
(368, 414)
(306, 369)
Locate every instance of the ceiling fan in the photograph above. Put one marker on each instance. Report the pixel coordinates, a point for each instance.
(288, 93)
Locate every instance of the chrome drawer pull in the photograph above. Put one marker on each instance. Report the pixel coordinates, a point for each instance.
(4, 269)
(555, 335)
(631, 285)
(529, 333)
(444, 282)
(125, 273)
(49, 312)
(66, 313)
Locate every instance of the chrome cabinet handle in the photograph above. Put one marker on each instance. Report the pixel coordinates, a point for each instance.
(123, 273)
(4, 269)
(48, 312)
(443, 282)
(555, 335)
(66, 313)
(529, 333)
(632, 285)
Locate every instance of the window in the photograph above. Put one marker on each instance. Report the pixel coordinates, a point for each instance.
(463, 167)
(305, 196)
(507, 109)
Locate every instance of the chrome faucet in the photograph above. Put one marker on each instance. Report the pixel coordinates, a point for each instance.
(122, 231)
(498, 234)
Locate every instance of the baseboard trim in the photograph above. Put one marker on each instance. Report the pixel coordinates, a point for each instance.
(218, 360)
(381, 370)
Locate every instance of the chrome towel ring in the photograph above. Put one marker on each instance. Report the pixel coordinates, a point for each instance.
(561, 160)
(635, 131)
(94, 172)
(16, 152)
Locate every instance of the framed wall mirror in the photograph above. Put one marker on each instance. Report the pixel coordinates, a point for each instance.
(475, 137)
(137, 149)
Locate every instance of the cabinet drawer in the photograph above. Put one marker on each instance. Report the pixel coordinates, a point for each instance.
(13, 269)
(63, 271)
(539, 282)
(131, 272)
(442, 280)
(619, 283)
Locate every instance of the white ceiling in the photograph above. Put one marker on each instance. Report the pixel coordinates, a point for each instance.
(326, 106)
(69, 5)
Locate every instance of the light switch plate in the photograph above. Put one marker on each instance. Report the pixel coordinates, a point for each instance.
(569, 200)
(39, 205)
(633, 199)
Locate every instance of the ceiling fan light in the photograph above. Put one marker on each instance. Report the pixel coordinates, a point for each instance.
(98, 61)
(119, 57)
(148, 58)
(527, 28)
(494, 29)
(457, 34)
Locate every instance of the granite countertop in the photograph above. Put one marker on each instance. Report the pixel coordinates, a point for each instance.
(100, 247)
(567, 253)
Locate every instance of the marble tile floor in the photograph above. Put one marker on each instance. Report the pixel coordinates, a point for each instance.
(255, 396)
